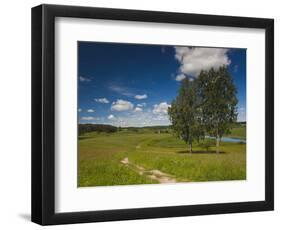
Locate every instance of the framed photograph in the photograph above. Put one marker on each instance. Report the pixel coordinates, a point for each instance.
(141, 114)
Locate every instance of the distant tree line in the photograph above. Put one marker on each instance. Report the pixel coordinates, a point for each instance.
(204, 106)
(86, 128)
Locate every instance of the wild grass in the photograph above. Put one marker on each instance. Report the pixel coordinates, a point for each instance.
(238, 132)
(99, 156)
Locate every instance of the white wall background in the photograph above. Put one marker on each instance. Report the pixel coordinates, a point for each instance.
(15, 114)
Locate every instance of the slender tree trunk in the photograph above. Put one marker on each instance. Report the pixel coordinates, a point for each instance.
(218, 144)
(190, 147)
(218, 141)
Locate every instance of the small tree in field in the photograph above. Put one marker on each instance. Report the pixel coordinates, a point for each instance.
(218, 102)
(185, 114)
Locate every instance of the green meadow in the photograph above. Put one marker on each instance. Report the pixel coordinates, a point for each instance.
(150, 156)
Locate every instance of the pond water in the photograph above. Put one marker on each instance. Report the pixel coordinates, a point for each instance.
(230, 139)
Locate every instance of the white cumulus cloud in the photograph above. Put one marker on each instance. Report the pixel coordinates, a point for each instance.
(140, 97)
(111, 117)
(122, 105)
(88, 118)
(90, 110)
(102, 100)
(193, 60)
(180, 77)
(161, 108)
(138, 109)
(141, 104)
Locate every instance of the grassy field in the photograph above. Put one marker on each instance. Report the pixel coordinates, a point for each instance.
(129, 157)
(238, 132)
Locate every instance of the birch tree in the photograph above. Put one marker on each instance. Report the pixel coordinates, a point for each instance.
(218, 102)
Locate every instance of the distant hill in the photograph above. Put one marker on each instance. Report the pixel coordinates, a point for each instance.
(150, 127)
(86, 128)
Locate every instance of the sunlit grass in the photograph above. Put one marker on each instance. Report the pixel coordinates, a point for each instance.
(100, 155)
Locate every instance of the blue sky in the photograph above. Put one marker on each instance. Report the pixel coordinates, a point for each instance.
(134, 84)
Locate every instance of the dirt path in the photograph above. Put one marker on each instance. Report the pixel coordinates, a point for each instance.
(153, 174)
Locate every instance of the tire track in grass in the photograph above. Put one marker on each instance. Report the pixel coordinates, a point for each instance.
(154, 174)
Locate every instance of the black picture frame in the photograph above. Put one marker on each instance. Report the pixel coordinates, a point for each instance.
(43, 114)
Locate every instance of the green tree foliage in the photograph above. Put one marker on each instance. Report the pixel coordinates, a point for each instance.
(218, 102)
(205, 105)
(185, 114)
